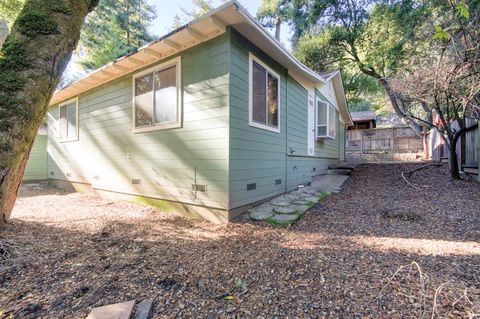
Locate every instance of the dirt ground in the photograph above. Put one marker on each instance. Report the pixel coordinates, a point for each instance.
(342, 260)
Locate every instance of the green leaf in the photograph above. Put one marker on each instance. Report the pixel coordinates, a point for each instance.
(229, 297)
(440, 33)
(462, 10)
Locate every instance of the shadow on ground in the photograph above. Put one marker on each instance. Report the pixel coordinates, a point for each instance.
(336, 262)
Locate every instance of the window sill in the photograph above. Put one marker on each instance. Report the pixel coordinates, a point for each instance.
(323, 138)
(158, 127)
(69, 141)
(265, 127)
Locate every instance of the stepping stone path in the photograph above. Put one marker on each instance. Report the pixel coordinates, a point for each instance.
(287, 209)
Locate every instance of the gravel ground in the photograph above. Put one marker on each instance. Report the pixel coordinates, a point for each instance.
(342, 260)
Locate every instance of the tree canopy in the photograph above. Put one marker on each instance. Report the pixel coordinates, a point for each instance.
(199, 8)
(367, 39)
(112, 30)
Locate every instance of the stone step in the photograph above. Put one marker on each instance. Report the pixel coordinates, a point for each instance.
(114, 311)
(284, 219)
(261, 212)
(291, 209)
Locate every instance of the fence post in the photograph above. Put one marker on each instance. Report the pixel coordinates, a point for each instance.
(361, 141)
(478, 150)
(393, 140)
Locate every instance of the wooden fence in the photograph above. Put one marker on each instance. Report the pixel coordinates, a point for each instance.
(467, 147)
(391, 140)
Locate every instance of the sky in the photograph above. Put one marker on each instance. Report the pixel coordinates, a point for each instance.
(166, 11)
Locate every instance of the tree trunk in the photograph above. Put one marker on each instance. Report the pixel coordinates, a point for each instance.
(396, 107)
(32, 60)
(454, 170)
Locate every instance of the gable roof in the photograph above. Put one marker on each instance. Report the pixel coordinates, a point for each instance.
(336, 77)
(197, 31)
(327, 75)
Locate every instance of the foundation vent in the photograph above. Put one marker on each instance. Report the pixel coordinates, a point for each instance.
(69, 175)
(96, 177)
(52, 173)
(136, 181)
(199, 188)
(314, 169)
(251, 187)
(278, 181)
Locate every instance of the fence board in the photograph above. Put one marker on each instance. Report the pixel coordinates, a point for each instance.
(399, 139)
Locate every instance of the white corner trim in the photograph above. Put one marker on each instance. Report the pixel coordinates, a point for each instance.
(251, 122)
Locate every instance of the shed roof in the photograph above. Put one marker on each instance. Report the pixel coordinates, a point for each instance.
(363, 116)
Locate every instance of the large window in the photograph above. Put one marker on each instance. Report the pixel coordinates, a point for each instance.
(264, 104)
(68, 121)
(326, 125)
(157, 97)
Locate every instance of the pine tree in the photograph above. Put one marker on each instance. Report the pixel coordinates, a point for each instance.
(115, 28)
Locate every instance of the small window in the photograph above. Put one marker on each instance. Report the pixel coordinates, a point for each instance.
(326, 120)
(264, 96)
(68, 121)
(157, 97)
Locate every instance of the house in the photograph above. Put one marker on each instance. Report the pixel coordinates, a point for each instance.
(36, 168)
(365, 120)
(207, 120)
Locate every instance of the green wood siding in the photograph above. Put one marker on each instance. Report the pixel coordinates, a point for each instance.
(342, 142)
(108, 155)
(36, 168)
(256, 155)
(259, 156)
(301, 167)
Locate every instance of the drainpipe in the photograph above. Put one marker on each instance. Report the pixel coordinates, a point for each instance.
(286, 131)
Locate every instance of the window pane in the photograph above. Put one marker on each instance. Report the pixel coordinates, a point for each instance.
(166, 96)
(144, 100)
(322, 130)
(321, 113)
(71, 121)
(332, 122)
(272, 101)
(259, 97)
(63, 122)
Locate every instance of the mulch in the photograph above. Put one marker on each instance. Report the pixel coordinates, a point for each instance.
(378, 249)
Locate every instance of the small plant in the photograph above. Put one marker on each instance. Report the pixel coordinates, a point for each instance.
(323, 196)
(241, 285)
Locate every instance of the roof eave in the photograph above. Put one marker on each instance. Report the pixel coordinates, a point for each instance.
(155, 51)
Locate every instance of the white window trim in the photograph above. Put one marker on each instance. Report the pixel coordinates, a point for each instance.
(251, 58)
(177, 62)
(77, 133)
(329, 108)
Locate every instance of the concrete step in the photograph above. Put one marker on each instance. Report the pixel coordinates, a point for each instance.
(471, 170)
(350, 166)
(339, 171)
